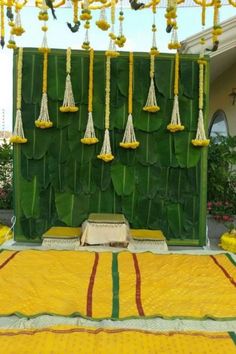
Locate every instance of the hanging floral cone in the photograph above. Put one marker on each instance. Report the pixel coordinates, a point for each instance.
(18, 136)
(17, 29)
(68, 102)
(151, 104)
(105, 153)
(200, 139)
(175, 124)
(89, 135)
(43, 120)
(102, 22)
(129, 140)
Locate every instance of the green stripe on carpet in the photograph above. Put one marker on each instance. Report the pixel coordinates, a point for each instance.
(115, 279)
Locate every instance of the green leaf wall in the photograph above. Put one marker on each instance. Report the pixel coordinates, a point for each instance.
(59, 181)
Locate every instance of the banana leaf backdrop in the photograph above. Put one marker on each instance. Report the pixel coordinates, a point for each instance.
(59, 181)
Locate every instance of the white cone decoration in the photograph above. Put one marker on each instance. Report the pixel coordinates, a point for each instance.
(89, 135)
(175, 124)
(151, 104)
(68, 102)
(129, 138)
(18, 135)
(43, 120)
(200, 139)
(105, 153)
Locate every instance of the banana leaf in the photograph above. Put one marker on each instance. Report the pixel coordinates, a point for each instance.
(78, 151)
(175, 219)
(146, 180)
(57, 172)
(30, 112)
(122, 178)
(164, 76)
(72, 209)
(59, 148)
(190, 213)
(99, 77)
(87, 178)
(47, 205)
(130, 208)
(147, 212)
(38, 144)
(32, 77)
(59, 119)
(186, 154)
(39, 168)
(141, 79)
(165, 149)
(99, 115)
(105, 202)
(188, 113)
(147, 152)
(79, 78)
(72, 176)
(121, 76)
(30, 198)
(56, 76)
(102, 174)
(33, 228)
(189, 77)
(79, 119)
(120, 116)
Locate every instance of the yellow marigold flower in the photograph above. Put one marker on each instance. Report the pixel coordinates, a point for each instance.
(18, 140)
(175, 45)
(44, 28)
(85, 15)
(11, 44)
(112, 53)
(89, 141)
(175, 127)
(112, 36)
(86, 45)
(202, 61)
(196, 142)
(71, 109)
(105, 157)
(103, 25)
(154, 51)
(43, 124)
(17, 30)
(44, 50)
(131, 145)
(151, 109)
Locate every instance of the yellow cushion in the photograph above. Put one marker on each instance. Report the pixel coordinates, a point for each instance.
(142, 234)
(63, 232)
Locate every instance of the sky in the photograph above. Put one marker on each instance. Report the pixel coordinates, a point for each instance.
(137, 29)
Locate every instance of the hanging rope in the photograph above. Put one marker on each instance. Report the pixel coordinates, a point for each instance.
(129, 139)
(68, 102)
(175, 124)
(18, 136)
(89, 135)
(106, 153)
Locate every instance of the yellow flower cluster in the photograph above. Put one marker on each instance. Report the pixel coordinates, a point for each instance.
(71, 109)
(43, 124)
(228, 241)
(86, 45)
(176, 82)
(44, 50)
(197, 142)
(11, 44)
(154, 51)
(112, 53)
(174, 45)
(43, 16)
(85, 15)
(89, 141)
(170, 15)
(16, 139)
(175, 127)
(120, 41)
(151, 109)
(18, 31)
(105, 157)
(103, 25)
(132, 145)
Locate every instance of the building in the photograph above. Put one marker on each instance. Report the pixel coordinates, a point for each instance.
(222, 113)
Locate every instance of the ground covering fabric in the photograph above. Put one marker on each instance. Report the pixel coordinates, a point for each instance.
(117, 285)
(73, 340)
(59, 181)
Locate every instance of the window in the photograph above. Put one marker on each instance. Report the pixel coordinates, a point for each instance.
(219, 125)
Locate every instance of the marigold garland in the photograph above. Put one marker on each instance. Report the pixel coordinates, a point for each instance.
(89, 135)
(68, 102)
(43, 16)
(112, 52)
(129, 139)
(43, 120)
(151, 104)
(175, 124)
(200, 139)
(106, 153)
(120, 39)
(18, 136)
(2, 28)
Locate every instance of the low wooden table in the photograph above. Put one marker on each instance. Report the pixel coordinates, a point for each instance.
(105, 229)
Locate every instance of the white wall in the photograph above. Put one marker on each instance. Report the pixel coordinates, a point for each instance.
(220, 99)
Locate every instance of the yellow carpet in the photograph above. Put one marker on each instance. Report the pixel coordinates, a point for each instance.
(117, 285)
(73, 340)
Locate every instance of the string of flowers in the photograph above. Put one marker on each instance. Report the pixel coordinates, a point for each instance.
(120, 39)
(18, 29)
(112, 52)
(89, 135)
(2, 28)
(86, 16)
(43, 120)
(102, 22)
(217, 29)
(18, 136)
(170, 14)
(174, 42)
(11, 42)
(43, 16)
(175, 124)
(106, 153)
(129, 138)
(68, 102)
(200, 139)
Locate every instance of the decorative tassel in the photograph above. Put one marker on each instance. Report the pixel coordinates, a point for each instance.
(112, 52)
(129, 140)
(68, 102)
(120, 40)
(102, 22)
(175, 124)
(106, 153)
(200, 139)
(43, 120)
(151, 104)
(43, 16)
(174, 43)
(18, 136)
(89, 135)
(17, 29)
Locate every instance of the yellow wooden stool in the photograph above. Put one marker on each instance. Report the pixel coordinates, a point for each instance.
(143, 239)
(62, 238)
